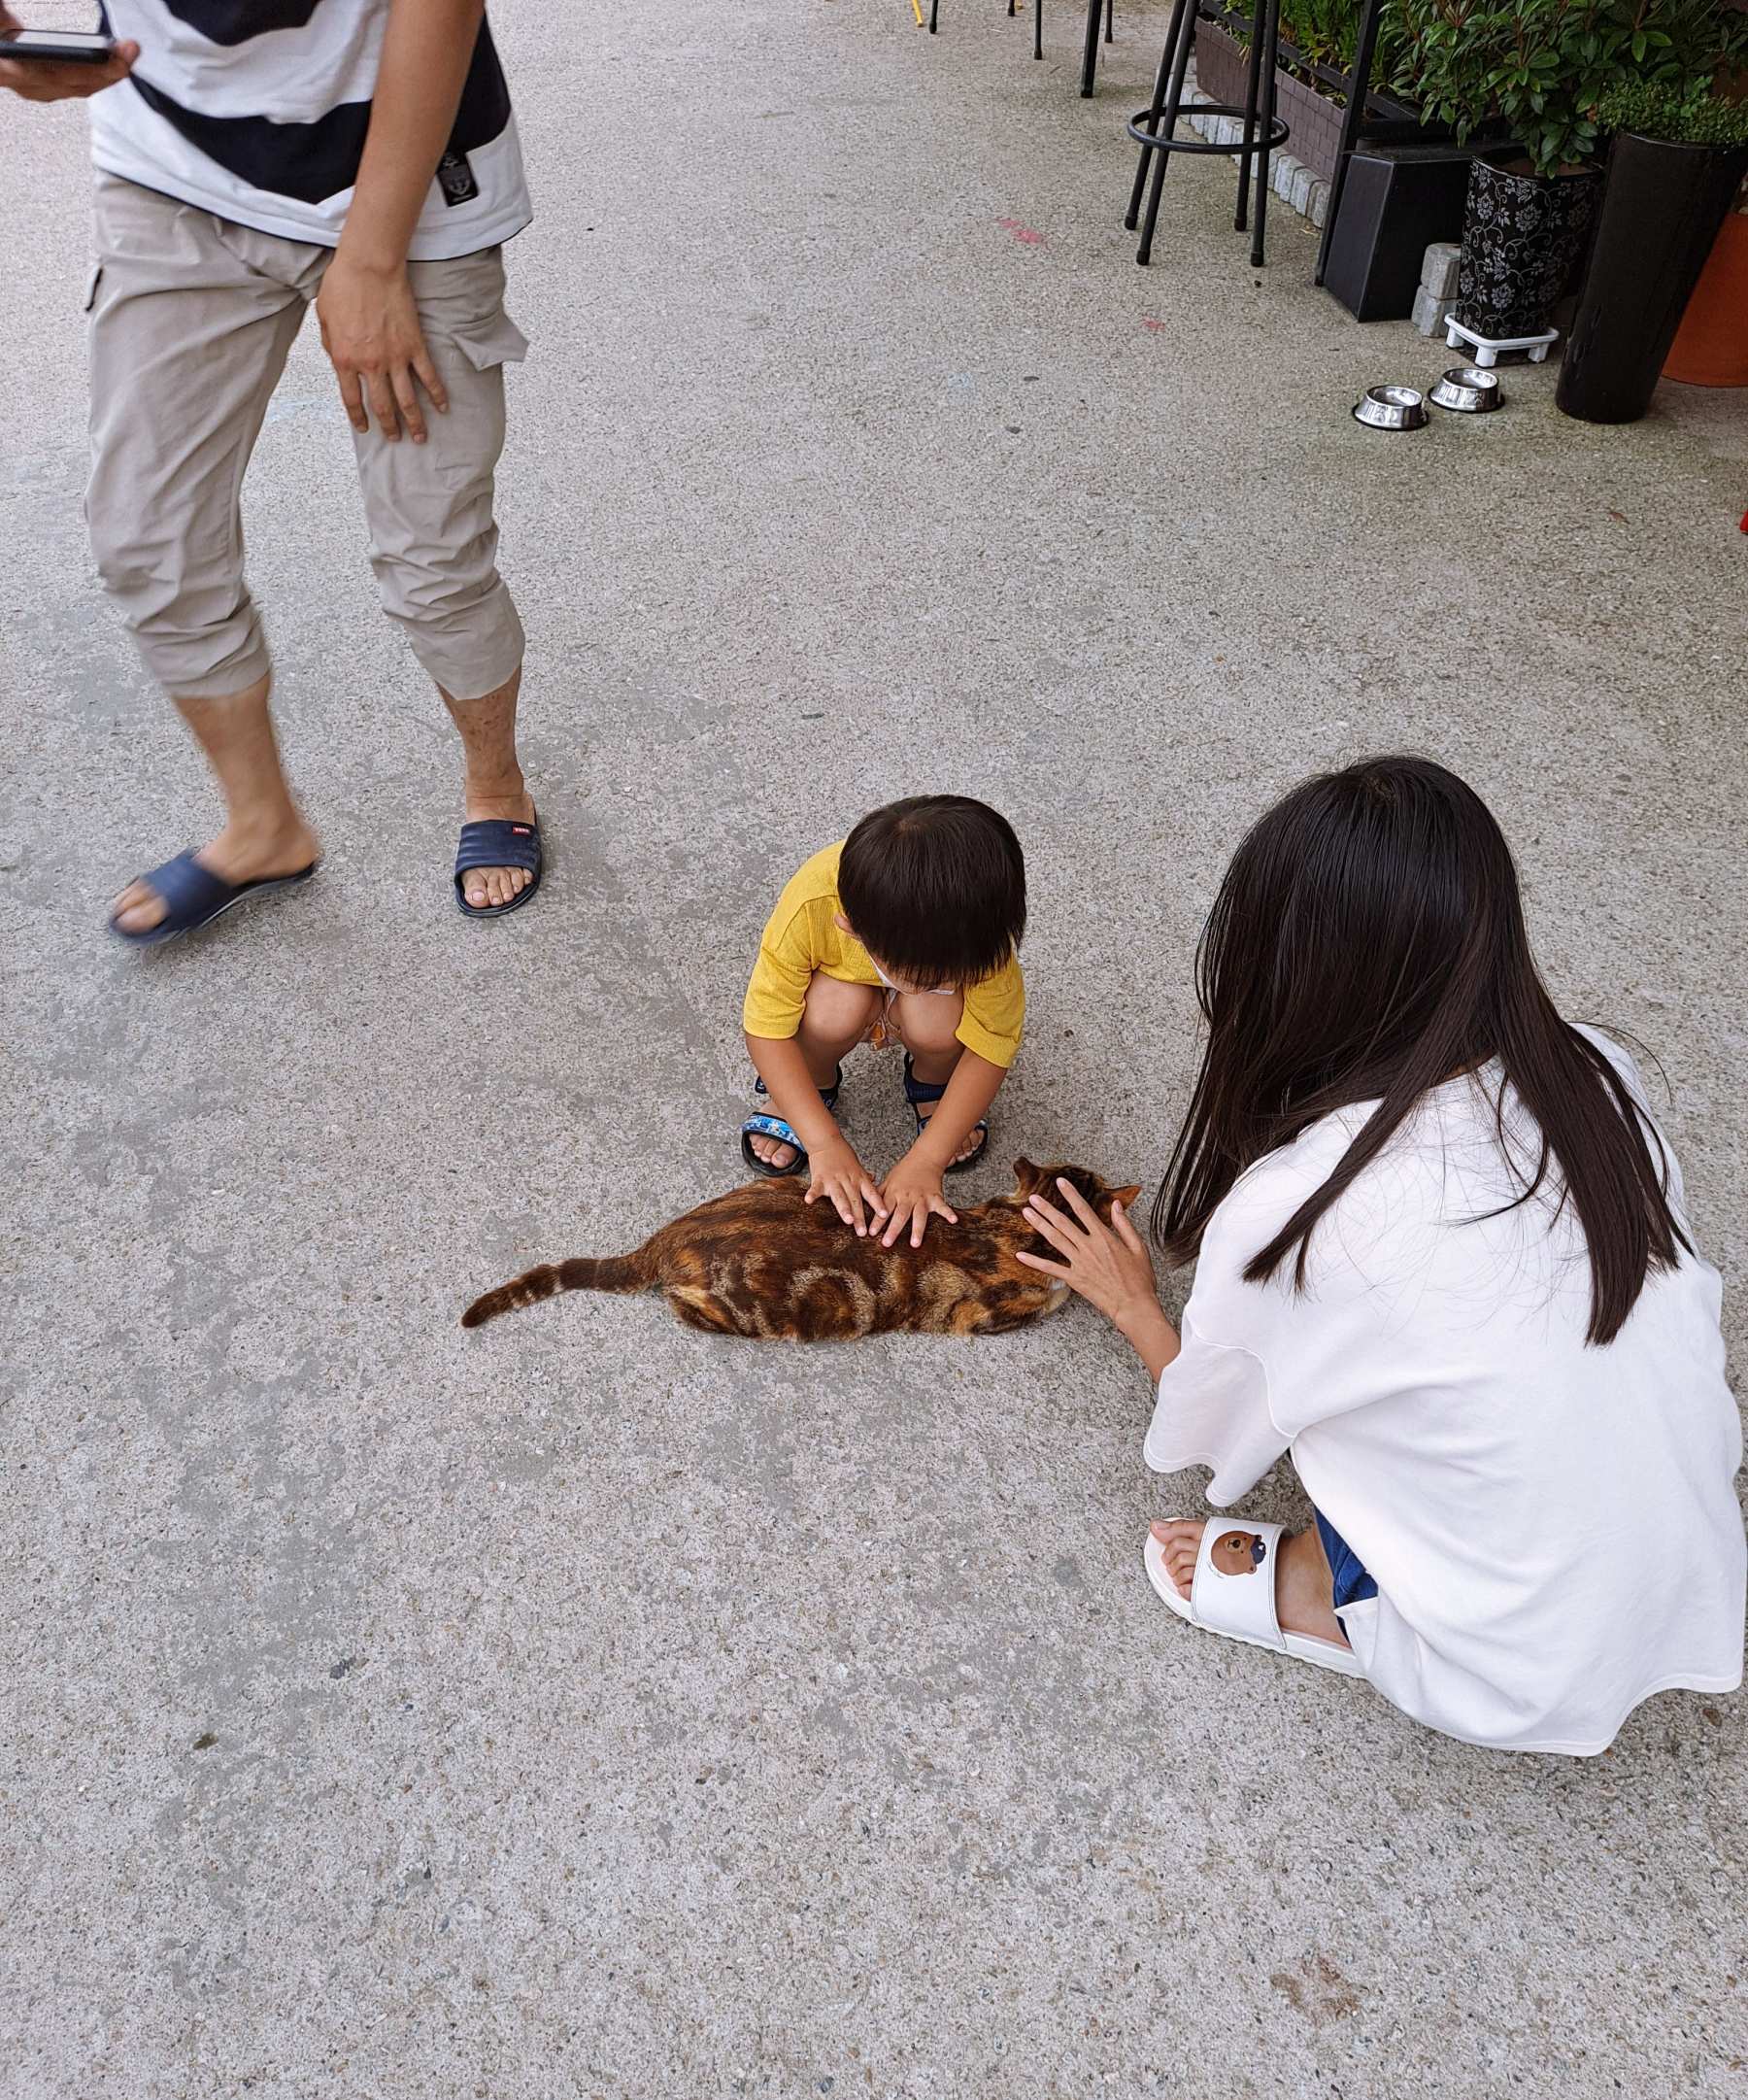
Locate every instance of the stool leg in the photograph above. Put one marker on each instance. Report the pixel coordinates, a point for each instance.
(1038, 28)
(1253, 81)
(1273, 9)
(1090, 51)
(1183, 22)
(934, 16)
(1133, 217)
(1110, 10)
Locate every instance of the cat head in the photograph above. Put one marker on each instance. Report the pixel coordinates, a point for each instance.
(1030, 1179)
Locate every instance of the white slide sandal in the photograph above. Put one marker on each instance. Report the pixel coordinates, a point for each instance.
(1234, 1593)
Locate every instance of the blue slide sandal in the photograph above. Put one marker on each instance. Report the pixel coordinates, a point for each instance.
(769, 1125)
(497, 842)
(194, 897)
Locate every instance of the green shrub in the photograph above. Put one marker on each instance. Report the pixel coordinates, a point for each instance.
(1326, 31)
(1664, 112)
(1542, 67)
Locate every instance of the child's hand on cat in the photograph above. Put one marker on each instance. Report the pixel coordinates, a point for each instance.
(912, 1190)
(836, 1171)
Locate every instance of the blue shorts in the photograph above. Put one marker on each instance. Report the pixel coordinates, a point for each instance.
(1352, 1582)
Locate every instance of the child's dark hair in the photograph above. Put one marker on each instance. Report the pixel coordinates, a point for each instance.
(935, 889)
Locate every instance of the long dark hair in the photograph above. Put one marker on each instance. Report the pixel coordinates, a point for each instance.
(1366, 944)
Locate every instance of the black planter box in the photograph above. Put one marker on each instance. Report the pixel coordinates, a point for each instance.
(1396, 202)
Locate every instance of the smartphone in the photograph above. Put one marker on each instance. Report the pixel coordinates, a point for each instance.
(58, 47)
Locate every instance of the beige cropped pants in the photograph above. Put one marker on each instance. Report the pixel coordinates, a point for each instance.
(191, 321)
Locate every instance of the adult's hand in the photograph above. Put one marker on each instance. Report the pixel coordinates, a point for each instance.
(36, 80)
(1106, 1264)
(370, 330)
(1109, 1265)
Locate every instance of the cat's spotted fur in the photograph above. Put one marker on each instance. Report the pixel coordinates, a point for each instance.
(762, 1262)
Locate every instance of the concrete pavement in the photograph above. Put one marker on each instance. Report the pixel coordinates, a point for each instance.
(584, 1707)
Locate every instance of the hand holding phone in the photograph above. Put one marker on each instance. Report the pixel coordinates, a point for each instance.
(54, 65)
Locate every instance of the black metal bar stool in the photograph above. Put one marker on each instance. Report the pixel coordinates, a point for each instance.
(1153, 129)
(1037, 8)
(1089, 60)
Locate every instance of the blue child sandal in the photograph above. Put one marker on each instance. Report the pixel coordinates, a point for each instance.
(919, 1090)
(769, 1125)
(193, 896)
(497, 842)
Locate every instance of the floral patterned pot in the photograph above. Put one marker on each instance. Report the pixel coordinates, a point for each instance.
(1523, 243)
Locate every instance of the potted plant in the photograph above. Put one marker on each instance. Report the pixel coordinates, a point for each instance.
(1541, 67)
(1673, 170)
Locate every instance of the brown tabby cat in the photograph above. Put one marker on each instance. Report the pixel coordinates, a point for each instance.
(762, 1262)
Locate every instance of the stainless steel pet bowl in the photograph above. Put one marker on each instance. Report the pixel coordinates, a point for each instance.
(1390, 408)
(1468, 389)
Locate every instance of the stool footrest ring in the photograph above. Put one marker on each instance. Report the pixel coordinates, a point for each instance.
(1268, 138)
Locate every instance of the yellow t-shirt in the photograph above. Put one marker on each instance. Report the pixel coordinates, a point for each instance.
(803, 936)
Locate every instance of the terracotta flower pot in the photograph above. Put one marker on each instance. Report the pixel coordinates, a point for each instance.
(1523, 241)
(1711, 345)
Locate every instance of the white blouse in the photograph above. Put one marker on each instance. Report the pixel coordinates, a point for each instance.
(1551, 1527)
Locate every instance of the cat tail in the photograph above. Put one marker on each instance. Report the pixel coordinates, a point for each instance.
(611, 1273)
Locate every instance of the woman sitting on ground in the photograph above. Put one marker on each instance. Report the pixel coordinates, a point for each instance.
(1442, 1259)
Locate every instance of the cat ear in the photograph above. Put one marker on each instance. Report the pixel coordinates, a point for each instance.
(1027, 1175)
(1126, 1196)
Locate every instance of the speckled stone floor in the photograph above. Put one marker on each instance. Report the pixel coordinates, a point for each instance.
(587, 1708)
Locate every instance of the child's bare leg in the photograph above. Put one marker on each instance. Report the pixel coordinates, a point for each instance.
(928, 1021)
(833, 1021)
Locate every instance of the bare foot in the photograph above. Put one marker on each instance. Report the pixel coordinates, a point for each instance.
(485, 887)
(1305, 1588)
(241, 853)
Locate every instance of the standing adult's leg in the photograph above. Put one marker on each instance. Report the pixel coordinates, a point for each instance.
(433, 544)
(492, 786)
(188, 342)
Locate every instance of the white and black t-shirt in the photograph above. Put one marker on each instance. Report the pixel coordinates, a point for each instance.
(256, 111)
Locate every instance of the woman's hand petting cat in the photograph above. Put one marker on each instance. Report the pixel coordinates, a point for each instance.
(836, 1171)
(912, 1190)
(1109, 1265)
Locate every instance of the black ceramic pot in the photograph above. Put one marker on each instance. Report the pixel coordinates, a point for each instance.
(1523, 241)
(1660, 212)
